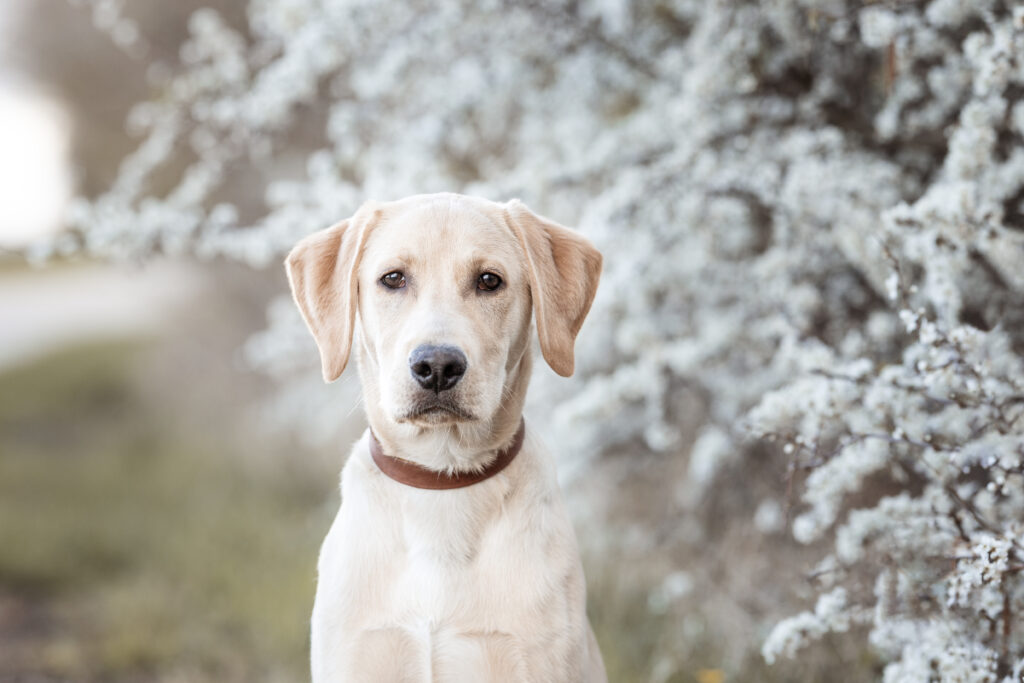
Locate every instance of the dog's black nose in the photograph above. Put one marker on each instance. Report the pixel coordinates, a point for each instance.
(437, 368)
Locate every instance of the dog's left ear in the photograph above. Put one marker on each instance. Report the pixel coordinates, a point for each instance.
(564, 269)
(322, 271)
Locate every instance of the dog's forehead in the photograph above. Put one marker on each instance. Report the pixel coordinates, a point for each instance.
(445, 229)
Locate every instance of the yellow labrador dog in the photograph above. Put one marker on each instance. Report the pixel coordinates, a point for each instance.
(452, 557)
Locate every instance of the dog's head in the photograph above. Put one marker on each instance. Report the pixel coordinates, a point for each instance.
(443, 287)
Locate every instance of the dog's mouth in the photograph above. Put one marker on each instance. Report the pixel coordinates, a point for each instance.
(436, 412)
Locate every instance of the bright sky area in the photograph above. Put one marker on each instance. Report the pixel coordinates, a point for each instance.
(35, 172)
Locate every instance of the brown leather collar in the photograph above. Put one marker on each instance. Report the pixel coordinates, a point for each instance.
(409, 473)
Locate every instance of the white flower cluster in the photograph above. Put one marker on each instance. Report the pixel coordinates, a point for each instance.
(812, 213)
(929, 426)
(832, 614)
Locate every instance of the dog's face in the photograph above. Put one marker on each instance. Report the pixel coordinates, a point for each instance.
(444, 287)
(444, 308)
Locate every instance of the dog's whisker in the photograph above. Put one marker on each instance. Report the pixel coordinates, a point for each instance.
(355, 405)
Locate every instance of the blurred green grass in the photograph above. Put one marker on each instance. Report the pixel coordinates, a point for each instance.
(130, 550)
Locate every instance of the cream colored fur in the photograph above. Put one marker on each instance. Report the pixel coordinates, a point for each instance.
(478, 584)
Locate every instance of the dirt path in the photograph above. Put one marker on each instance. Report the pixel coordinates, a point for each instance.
(43, 310)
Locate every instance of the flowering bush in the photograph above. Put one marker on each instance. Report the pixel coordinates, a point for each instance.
(812, 213)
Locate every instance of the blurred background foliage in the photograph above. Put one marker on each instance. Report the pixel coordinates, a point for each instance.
(150, 530)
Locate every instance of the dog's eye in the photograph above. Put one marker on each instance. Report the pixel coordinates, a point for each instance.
(488, 282)
(394, 280)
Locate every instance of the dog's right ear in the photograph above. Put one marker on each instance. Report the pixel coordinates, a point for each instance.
(564, 269)
(322, 271)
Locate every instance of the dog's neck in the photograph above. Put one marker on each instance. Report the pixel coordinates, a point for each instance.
(459, 447)
(417, 476)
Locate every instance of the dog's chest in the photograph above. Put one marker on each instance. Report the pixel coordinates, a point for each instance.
(457, 556)
(449, 579)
